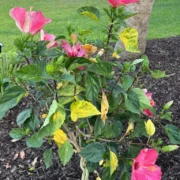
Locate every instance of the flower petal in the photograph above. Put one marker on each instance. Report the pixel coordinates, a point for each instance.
(147, 112)
(18, 14)
(37, 21)
(116, 3)
(152, 172)
(147, 156)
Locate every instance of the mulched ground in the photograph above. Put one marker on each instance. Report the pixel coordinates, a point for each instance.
(164, 54)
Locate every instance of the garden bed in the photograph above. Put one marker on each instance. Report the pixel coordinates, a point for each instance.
(164, 54)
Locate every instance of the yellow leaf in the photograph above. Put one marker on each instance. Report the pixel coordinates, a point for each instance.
(44, 116)
(27, 94)
(98, 178)
(115, 55)
(101, 52)
(130, 128)
(57, 116)
(129, 37)
(101, 162)
(93, 60)
(104, 107)
(106, 164)
(113, 162)
(59, 85)
(82, 109)
(150, 128)
(59, 137)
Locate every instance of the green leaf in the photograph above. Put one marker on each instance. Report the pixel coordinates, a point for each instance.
(54, 124)
(66, 100)
(98, 127)
(169, 148)
(17, 133)
(167, 116)
(92, 86)
(132, 102)
(23, 116)
(133, 151)
(90, 12)
(33, 122)
(69, 89)
(52, 110)
(126, 176)
(139, 130)
(91, 166)
(129, 37)
(107, 12)
(34, 141)
(137, 61)
(127, 81)
(173, 133)
(145, 64)
(113, 130)
(61, 36)
(168, 105)
(47, 155)
(68, 78)
(10, 98)
(143, 99)
(106, 174)
(101, 68)
(65, 153)
(30, 72)
(93, 152)
(76, 60)
(157, 74)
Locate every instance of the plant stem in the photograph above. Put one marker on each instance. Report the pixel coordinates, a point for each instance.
(72, 138)
(110, 32)
(56, 96)
(85, 135)
(117, 80)
(135, 80)
(27, 60)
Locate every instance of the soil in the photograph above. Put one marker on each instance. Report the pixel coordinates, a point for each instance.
(164, 54)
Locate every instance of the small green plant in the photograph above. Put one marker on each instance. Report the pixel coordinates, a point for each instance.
(8, 65)
(81, 104)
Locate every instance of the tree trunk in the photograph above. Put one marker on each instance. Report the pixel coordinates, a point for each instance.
(139, 22)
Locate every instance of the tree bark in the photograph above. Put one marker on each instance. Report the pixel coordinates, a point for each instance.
(139, 22)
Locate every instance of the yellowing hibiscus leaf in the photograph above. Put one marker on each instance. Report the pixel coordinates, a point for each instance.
(129, 37)
(130, 128)
(150, 128)
(82, 109)
(113, 162)
(59, 137)
(104, 107)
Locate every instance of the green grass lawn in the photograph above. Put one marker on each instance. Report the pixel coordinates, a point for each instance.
(164, 20)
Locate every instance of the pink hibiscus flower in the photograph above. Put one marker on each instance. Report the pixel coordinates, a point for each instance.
(144, 168)
(149, 96)
(74, 51)
(117, 3)
(28, 21)
(48, 37)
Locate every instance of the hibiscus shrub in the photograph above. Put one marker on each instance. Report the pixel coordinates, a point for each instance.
(78, 101)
